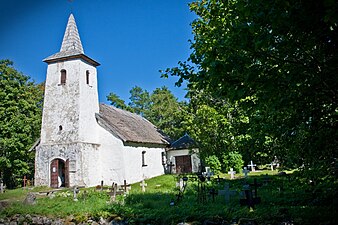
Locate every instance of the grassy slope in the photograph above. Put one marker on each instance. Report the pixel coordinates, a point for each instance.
(295, 202)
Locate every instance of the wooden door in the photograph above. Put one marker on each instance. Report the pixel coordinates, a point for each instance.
(67, 173)
(183, 164)
(54, 169)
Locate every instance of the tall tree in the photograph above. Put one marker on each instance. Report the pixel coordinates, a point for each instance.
(166, 112)
(20, 121)
(116, 101)
(139, 100)
(278, 61)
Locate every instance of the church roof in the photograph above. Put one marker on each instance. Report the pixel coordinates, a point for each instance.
(184, 142)
(130, 127)
(71, 45)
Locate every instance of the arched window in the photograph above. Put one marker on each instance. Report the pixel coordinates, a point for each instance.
(143, 159)
(63, 76)
(87, 77)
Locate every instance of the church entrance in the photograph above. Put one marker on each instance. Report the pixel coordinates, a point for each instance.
(59, 173)
(183, 164)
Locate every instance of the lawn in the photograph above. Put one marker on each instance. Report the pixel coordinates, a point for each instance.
(283, 199)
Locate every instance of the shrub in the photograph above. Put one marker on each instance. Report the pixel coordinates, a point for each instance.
(213, 162)
(232, 160)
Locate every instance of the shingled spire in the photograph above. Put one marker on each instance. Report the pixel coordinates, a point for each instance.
(71, 46)
(71, 39)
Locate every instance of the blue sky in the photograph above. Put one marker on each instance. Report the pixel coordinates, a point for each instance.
(131, 39)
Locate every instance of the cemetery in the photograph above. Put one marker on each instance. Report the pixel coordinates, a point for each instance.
(263, 197)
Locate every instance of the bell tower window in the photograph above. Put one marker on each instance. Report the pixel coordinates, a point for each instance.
(63, 77)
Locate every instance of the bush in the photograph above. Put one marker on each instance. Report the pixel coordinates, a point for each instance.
(232, 160)
(214, 164)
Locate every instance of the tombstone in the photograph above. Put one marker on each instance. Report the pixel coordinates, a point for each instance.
(24, 181)
(252, 166)
(126, 187)
(143, 186)
(225, 192)
(76, 190)
(232, 173)
(113, 192)
(250, 200)
(245, 171)
(30, 199)
(201, 190)
(219, 180)
(2, 188)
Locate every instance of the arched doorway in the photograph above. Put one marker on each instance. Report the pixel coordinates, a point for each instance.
(59, 173)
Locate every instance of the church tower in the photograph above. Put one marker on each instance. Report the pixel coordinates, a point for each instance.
(69, 140)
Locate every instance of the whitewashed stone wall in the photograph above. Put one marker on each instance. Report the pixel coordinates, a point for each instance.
(195, 160)
(119, 162)
(72, 105)
(78, 154)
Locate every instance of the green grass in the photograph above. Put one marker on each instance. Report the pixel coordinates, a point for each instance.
(300, 203)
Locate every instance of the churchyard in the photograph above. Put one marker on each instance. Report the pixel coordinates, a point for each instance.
(261, 197)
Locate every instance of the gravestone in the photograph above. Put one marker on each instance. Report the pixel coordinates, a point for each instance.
(252, 166)
(226, 192)
(232, 173)
(245, 171)
(250, 199)
(143, 186)
(2, 188)
(126, 187)
(112, 193)
(201, 189)
(30, 199)
(24, 181)
(171, 165)
(76, 190)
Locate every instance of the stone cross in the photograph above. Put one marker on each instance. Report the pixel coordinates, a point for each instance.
(252, 166)
(113, 192)
(232, 173)
(75, 192)
(245, 171)
(225, 192)
(24, 181)
(171, 167)
(143, 186)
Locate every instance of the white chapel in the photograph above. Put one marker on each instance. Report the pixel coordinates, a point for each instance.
(83, 142)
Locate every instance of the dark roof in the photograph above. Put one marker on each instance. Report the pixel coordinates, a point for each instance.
(71, 47)
(184, 142)
(130, 127)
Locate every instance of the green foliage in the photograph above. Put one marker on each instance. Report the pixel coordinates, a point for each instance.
(139, 100)
(20, 121)
(276, 62)
(116, 101)
(232, 160)
(213, 162)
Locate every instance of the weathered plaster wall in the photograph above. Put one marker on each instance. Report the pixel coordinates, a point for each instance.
(119, 162)
(72, 105)
(195, 160)
(133, 161)
(77, 153)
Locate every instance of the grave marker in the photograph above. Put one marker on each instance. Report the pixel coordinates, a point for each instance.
(76, 190)
(2, 188)
(125, 186)
(232, 173)
(143, 186)
(252, 166)
(24, 181)
(245, 171)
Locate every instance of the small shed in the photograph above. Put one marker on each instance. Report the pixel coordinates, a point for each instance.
(182, 156)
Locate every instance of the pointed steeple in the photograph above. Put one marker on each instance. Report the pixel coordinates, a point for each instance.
(71, 46)
(71, 39)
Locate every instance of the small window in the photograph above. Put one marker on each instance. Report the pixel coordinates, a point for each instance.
(143, 159)
(87, 77)
(60, 128)
(63, 77)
